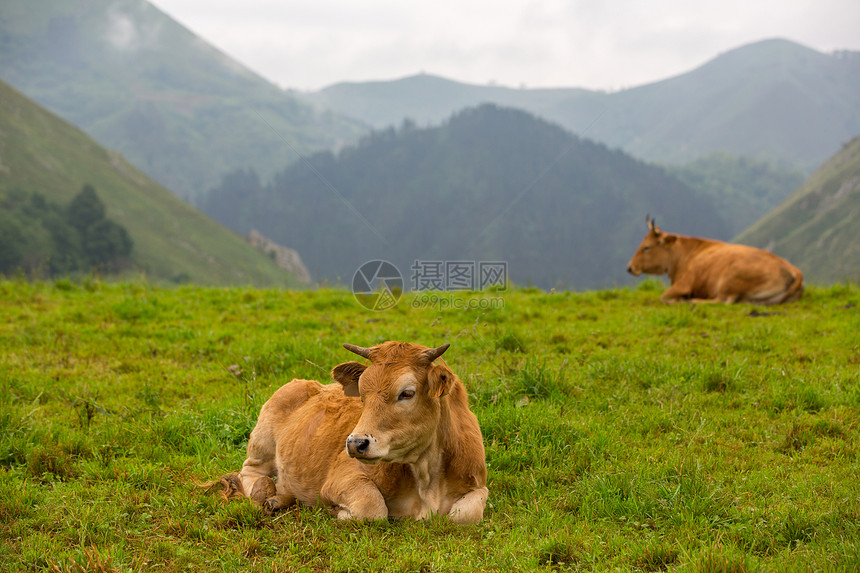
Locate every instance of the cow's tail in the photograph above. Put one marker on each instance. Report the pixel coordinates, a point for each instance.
(795, 286)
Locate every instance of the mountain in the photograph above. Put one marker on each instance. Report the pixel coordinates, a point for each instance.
(817, 228)
(140, 83)
(743, 189)
(172, 242)
(773, 99)
(490, 185)
(428, 99)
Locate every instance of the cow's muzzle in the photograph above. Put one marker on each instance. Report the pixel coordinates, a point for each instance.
(358, 445)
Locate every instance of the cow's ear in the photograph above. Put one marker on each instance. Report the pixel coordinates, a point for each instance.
(439, 380)
(668, 239)
(347, 374)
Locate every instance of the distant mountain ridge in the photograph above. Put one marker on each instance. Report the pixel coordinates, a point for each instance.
(187, 114)
(818, 227)
(140, 83)
(773, 99)
(173, 242)
(490, 184)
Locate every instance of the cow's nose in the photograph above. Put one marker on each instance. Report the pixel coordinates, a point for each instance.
(630, 269)
(357, 445)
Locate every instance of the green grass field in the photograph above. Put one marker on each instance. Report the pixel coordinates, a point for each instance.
(621, 434)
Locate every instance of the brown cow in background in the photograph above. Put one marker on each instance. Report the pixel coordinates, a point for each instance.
(705, 270)
(395, 438)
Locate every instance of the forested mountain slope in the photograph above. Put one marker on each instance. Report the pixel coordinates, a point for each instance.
(491, 184)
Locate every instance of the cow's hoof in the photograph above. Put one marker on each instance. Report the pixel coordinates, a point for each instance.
(339, 512)
(263, 490)
(231, 485)
(342, 513)
(273, 505)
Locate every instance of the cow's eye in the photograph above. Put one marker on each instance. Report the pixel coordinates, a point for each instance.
(645, 249)
(406, 395)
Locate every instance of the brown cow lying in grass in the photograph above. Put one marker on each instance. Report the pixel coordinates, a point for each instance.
(395, 438)
(704, 270)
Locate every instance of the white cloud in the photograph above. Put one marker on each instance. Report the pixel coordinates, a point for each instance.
(121, 32)
(579, 43)
(130, 32)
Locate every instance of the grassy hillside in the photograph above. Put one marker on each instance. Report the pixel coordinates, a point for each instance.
(40, 152)
(621, 434)
(491, 184)
(743, 189)
(142, 84)
(774, 99)
(816, 228)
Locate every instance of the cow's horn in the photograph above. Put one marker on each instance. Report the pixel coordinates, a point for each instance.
(650, 221)
(435, 353)
(361, 351)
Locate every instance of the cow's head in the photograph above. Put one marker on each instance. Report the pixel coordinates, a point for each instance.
(654, 255)
(400, 391)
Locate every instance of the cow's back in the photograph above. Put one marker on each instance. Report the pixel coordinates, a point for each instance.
(742, 273)
(310, 423)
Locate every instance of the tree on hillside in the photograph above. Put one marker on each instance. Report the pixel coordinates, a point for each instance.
(40, 237)
(104, 243)
(23, 240)
(86, 209)
(13, 245)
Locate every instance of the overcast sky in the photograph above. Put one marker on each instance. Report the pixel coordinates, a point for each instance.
(597, 44)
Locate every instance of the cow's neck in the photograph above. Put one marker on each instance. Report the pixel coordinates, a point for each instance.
(429, 479)
(448, 454)
(685, 249)
(430, 470)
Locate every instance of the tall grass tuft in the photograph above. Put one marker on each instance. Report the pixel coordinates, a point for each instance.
(537, 380)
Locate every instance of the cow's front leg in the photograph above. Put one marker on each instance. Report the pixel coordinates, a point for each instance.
(366, 505)
(469, 509)
(679, 291)
(354, 496)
